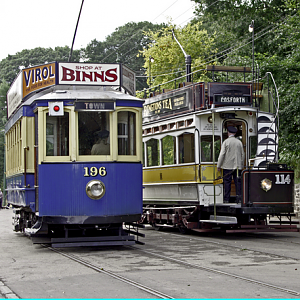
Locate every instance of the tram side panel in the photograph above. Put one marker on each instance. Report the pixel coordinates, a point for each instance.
(20, 176)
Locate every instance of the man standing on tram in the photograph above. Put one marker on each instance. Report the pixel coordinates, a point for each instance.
(231, 159)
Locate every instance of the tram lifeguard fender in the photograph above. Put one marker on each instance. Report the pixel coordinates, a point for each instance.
(56, 108)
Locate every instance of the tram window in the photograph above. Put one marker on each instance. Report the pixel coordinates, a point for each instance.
(126, 133)
(57, 135)
(153, 153)
(207, 148)
(168, 150)
(93, 133)
(186, 148)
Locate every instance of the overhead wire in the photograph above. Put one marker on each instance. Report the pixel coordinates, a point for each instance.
(260, 34)
(144, 28)
(138, 32)
(233, 48)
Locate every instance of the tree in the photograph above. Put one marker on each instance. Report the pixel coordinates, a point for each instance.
(286, 67)
(229, 21)
(123, 46)
(169, 60)
(3, 90)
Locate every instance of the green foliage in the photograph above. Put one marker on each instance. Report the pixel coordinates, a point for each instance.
(123, 46)
(3, 90)
(169, 60)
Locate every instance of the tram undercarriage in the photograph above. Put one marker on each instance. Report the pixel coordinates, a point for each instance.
(229, 218)
(75, 234)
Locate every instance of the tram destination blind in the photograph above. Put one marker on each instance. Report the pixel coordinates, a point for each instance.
(95, 106)
(232, 100)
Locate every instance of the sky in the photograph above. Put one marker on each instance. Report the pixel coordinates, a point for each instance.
(27, 24)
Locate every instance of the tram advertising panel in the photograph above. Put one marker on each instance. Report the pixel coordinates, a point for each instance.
(168, 104)
(91, 74)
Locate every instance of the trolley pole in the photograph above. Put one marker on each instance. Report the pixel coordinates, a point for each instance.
(71, 50)
(188, 60)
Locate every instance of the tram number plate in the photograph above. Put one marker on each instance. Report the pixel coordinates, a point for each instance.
(94, 171)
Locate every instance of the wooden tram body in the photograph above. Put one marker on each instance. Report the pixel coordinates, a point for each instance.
(183, 130)
(63, 190)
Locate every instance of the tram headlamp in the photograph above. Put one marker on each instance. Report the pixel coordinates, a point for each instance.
(95, 189)
(266, 184)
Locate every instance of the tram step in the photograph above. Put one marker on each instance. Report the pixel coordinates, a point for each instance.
(221, 220)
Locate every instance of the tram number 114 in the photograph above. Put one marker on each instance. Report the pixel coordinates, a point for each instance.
(94, 171)
(282, 179)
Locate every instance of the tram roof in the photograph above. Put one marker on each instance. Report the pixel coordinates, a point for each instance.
(81, 93)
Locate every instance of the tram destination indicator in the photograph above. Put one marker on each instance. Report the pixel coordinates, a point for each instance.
(232, 100)
(234, 94)
(95, 105)
(166, 105)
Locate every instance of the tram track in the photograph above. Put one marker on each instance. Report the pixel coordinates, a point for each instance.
(159, 294)
(239, 247)
(98, 269)
(181, 262)
(219, 272)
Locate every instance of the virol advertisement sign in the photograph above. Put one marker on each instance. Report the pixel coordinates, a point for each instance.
(38, 77)
(91, 74)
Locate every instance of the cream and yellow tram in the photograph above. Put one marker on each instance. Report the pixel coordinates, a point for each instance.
(183, 130)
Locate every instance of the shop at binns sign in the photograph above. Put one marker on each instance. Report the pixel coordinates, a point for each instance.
(36, 78)
(93, 74)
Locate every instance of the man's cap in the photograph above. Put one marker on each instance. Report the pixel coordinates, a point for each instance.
(102, 134)
(232, 129)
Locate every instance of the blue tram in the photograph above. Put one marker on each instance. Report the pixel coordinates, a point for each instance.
(183, 130)
(73, 154)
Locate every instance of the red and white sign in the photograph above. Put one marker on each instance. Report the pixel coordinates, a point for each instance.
(91, 74)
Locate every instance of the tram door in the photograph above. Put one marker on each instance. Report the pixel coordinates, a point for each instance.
(242, 136)
(36, 183)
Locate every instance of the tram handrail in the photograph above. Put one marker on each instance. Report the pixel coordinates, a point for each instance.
(276, 117)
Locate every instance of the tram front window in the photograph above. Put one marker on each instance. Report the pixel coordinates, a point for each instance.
(93, 133)
(126, 133)
(57, 135)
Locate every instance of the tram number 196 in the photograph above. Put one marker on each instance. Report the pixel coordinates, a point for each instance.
(93, 171)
